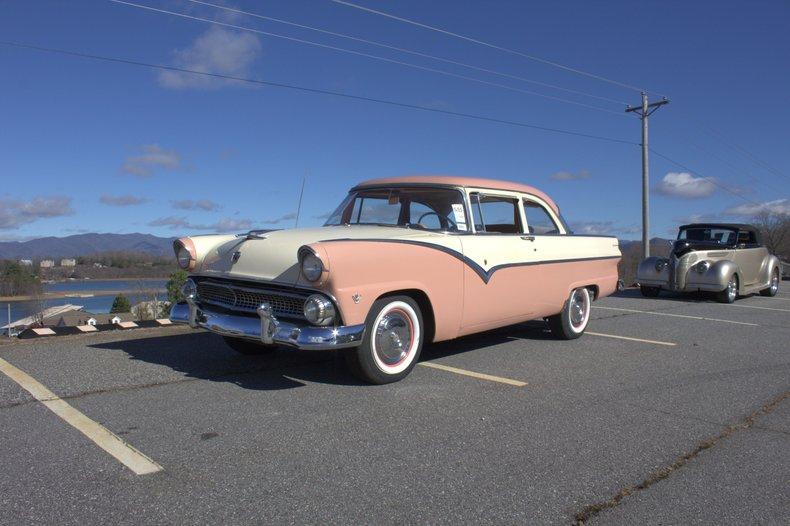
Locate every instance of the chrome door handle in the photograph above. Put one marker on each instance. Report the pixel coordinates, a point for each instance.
(528, 238)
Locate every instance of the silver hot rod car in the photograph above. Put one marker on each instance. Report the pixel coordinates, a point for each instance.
(727, 259)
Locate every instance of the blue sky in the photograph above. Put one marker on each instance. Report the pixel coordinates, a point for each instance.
(101, 147)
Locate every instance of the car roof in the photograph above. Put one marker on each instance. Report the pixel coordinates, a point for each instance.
(733, 226)
(473, 182)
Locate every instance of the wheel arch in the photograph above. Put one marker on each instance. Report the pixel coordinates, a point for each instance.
(426, 308)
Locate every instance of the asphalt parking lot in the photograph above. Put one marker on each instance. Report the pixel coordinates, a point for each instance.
(670, 410)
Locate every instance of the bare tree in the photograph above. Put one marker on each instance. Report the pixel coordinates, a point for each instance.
(39, 302)
(775, 229)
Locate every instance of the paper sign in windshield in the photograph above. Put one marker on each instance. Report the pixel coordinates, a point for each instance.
(460, 217)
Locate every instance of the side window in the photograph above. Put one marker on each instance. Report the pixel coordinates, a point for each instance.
(538, 219)
(495, 214)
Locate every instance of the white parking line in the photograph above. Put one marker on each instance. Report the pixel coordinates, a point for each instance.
(473, 374)
(677, 315)
(100, 435)
(618, 337)
(756, 307)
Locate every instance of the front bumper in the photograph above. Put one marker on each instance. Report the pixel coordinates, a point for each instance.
(266, 328)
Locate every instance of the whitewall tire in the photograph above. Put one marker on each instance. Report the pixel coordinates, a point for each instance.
(572, 321)
(392, 343)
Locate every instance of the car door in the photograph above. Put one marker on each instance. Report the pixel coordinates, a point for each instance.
(749, 256)
(496, 290)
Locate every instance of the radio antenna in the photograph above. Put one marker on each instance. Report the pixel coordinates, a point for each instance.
(299, 206)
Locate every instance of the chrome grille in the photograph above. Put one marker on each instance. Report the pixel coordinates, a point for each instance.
(248, 299)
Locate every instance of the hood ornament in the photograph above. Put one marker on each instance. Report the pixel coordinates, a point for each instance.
(235, 257)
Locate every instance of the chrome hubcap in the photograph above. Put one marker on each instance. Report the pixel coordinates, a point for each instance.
(775, 283)
(732, 288)
(578, 308)
(393, 336)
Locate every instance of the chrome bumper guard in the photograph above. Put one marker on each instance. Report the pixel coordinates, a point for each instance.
(266, 328)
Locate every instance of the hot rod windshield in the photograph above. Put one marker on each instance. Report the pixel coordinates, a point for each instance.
(723, 236)
(440, 209)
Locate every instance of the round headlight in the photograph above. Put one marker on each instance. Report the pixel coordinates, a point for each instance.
(660, 264)
(312, 267)
(319, 310)
(703, 266)
(184, 257)
(189, 290)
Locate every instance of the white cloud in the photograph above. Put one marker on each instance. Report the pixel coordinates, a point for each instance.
(697, 218)
(685, 186)
(151, 158)
(122, 200)
(201, 204)
(778, 206)
(601, 228)
(181, 223)
(569, 176)
(217, 50)
(286, 217)
(14, 214)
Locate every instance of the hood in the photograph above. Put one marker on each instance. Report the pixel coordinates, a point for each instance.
(273, 257)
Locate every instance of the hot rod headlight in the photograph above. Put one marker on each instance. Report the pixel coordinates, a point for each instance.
(661, 264)
(319, 310)
(312, 267)
(703, 266)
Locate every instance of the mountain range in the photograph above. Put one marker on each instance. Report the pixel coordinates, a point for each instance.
(84, 245)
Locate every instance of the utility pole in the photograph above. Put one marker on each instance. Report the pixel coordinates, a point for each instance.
(644, 111)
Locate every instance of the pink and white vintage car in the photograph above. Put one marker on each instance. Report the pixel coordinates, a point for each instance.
(402, 262)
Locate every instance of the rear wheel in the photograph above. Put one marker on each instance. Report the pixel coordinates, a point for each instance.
(649, 292)
(572, 321)
(248, 347)
(392, 343)
(729, 294)
(773, 288)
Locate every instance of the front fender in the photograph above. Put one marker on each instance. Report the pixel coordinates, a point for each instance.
(364, 270)
(715, 278)
(647, 274)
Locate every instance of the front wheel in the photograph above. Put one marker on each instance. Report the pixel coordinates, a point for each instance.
(773, 288)
(571, 322)
(729, 294)
(649, 292)
(392, 343)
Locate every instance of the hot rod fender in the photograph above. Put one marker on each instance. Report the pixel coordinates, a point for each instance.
(647, 274)
(769, 265)
(715, 278)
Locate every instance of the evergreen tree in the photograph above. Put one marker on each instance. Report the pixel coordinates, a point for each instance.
(120, 304)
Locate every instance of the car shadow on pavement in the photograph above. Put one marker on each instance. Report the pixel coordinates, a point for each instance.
(205, 356)
(531, 330)
(202, 355)
(685, 297)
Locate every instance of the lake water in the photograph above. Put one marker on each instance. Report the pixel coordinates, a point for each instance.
(95, 304)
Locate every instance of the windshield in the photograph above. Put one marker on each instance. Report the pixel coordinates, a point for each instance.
(723, 236)
(440, 209)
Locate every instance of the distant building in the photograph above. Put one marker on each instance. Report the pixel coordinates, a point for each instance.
(46, 263)
(68, 262)
(26, 262)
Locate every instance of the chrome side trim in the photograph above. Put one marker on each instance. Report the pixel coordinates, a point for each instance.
(267, 329)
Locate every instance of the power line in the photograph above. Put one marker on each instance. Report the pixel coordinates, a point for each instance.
(366, 55)
(318, 91)
(732, 167)
(743, 151)
(408, 51)
(489, 45)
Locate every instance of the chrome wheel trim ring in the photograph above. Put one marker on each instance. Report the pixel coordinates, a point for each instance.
(579, 309)
(732, 288)
(395, 336)
(775, 283)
